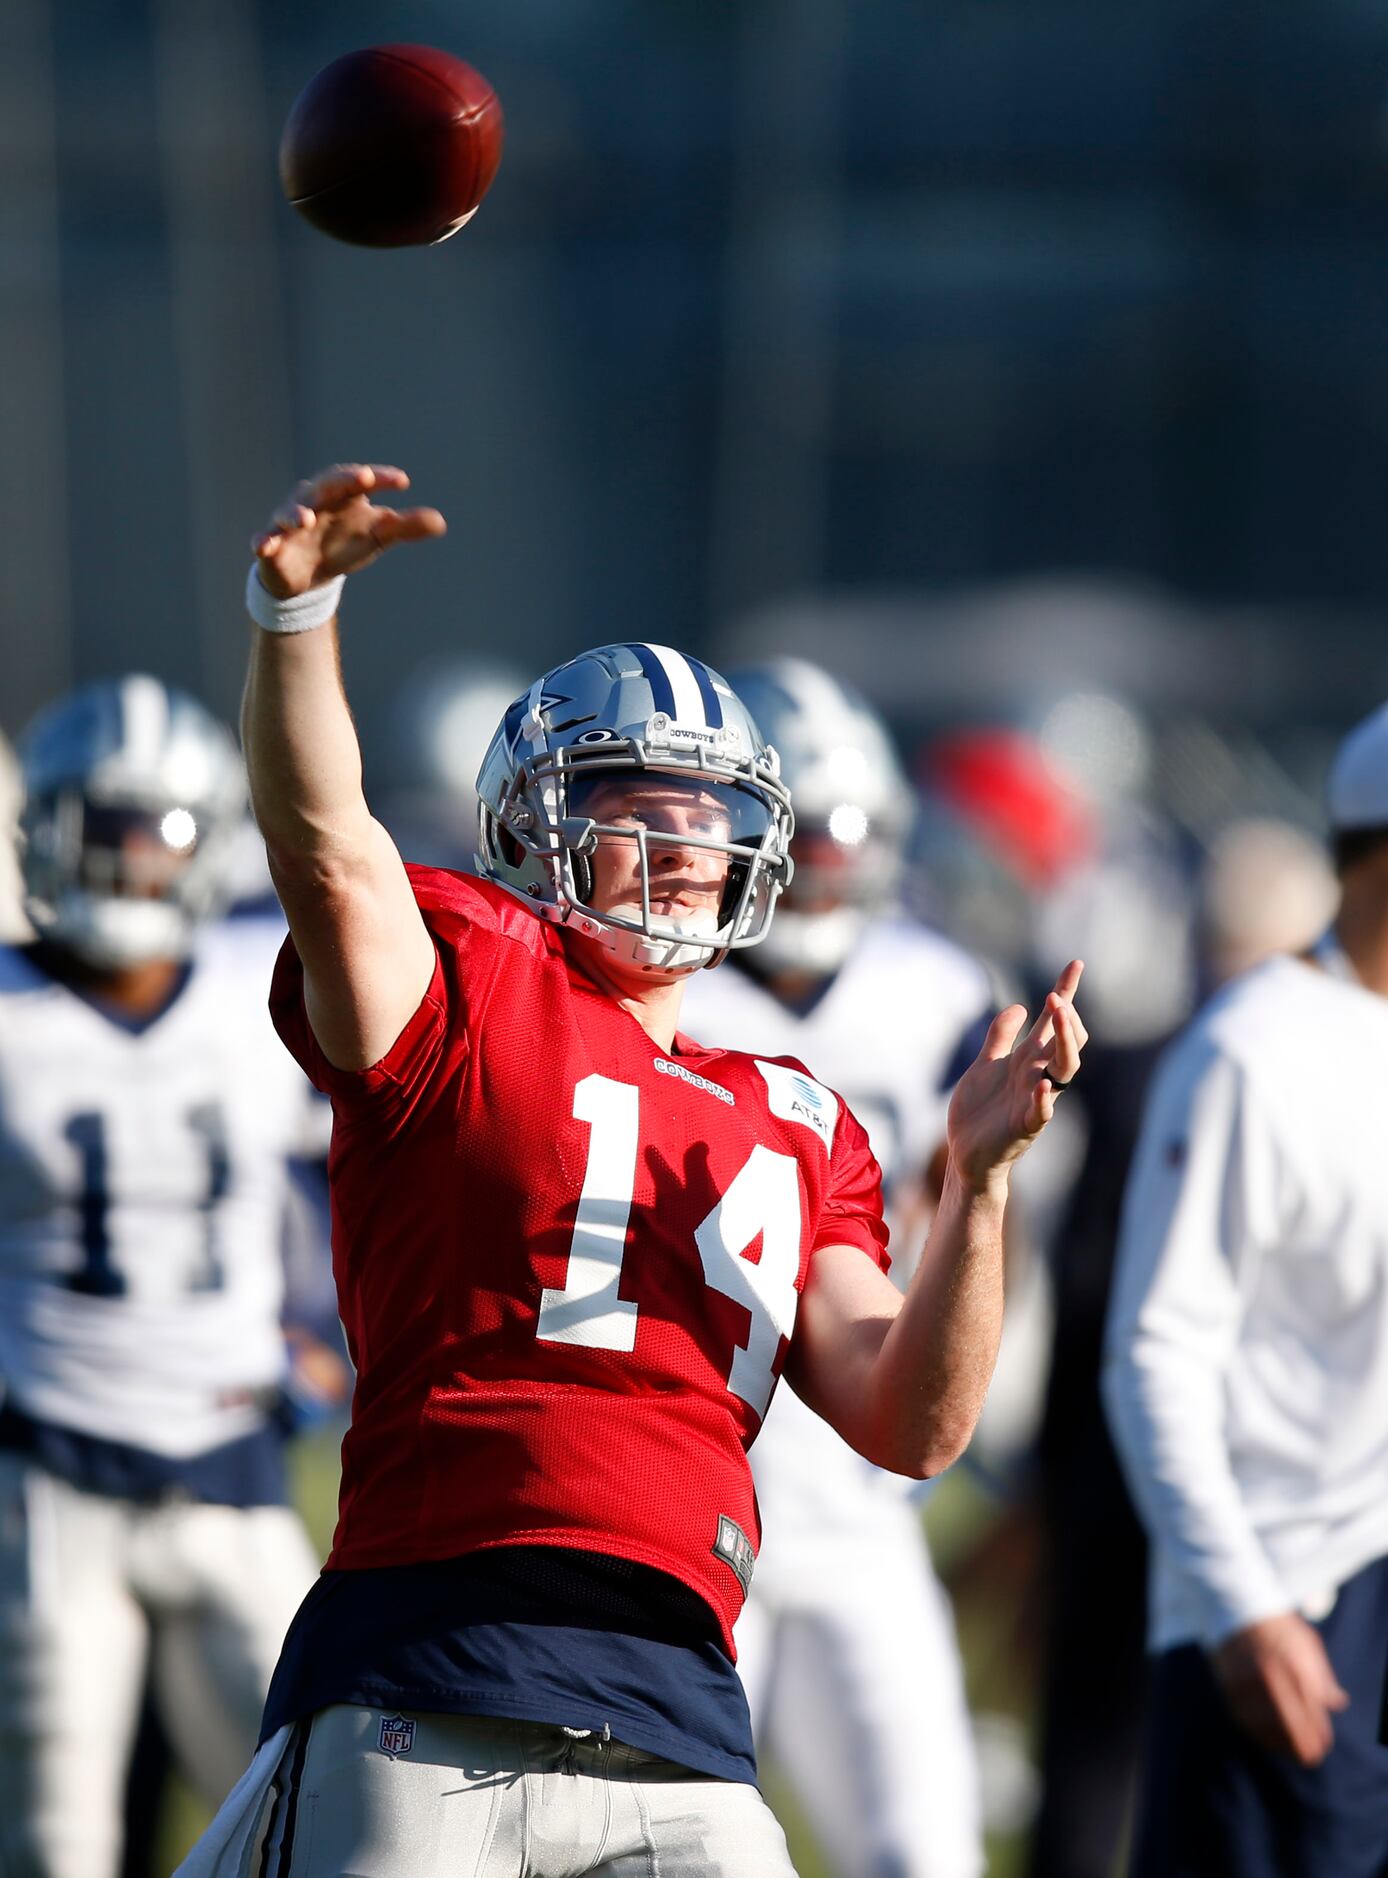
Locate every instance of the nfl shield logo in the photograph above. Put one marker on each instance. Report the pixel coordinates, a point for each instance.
(397, 1735)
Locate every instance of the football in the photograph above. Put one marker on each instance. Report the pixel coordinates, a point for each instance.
(391, 146)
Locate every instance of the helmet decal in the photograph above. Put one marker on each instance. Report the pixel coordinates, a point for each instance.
(682, 687)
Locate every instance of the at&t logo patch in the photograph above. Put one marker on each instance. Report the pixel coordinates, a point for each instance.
(796, 1097)
(397, 1735)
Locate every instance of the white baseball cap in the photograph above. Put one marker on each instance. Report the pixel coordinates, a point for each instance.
(1356, 794)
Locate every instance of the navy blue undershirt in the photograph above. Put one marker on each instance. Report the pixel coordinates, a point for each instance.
(246, 1472)
(533, 1633)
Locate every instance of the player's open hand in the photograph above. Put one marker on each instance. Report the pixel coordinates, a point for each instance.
(1009, 1092)
(1279, 1683)
(329, 525)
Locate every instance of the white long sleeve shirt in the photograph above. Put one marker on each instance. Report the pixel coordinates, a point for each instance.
(1246, 1373)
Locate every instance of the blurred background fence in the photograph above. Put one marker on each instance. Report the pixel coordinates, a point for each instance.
(866, 306)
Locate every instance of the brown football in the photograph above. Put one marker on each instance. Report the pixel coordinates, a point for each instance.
(392, 146)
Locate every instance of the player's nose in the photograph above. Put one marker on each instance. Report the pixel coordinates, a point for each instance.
(675, 858)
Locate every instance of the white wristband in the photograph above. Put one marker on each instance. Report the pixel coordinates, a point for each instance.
(300, 613)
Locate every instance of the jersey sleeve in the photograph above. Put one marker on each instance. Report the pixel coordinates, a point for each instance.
(458, 923)
(852, 1209)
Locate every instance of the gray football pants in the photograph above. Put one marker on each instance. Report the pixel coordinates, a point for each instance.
(91, 1590)
(473, 1797)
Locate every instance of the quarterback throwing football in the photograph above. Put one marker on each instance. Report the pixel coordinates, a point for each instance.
(574, 1252)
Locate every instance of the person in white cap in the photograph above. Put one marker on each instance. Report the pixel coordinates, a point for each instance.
(1247, 1386)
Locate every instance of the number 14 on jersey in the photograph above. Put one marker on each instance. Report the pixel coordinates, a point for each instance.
(762, 1200)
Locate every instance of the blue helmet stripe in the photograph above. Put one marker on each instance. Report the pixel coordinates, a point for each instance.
(662, 691)
(713, 708)
(690, 685)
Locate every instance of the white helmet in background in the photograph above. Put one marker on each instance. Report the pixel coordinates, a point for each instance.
(133, 795)
(624, 714)
(440, 725)
(853, 809)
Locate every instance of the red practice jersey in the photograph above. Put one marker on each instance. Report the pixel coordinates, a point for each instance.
(568, 1263)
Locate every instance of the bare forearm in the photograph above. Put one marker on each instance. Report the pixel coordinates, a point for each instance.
(933, 1367)
(366, 953)
(903, 1379)
(301, 746)
(936, 1358)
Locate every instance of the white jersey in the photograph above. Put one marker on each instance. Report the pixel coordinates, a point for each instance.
(1247, 1366)
(142, 1196)
(886, 1035)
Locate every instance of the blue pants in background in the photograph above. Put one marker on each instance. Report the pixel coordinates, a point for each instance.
(1215, 1805)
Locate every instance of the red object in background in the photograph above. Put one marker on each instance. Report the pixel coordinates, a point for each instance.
(1003, 785)
(392, 146)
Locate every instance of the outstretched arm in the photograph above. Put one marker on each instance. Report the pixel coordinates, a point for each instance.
(366, 954)
(902, 1379)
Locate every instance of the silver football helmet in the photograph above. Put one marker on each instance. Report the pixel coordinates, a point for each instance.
(133, 795)
(549, 792)
(853, 809)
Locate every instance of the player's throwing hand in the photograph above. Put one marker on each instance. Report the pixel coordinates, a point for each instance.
(328, 525)
(1008, 1094)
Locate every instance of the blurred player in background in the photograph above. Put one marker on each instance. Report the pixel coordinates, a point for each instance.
(846, 1645)
(146, 1114)
(1247, 1386)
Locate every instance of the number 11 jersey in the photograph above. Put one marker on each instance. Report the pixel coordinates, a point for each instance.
(568, 1262)
(143, 1187)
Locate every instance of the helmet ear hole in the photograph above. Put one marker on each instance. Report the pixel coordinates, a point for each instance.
(511, 850)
